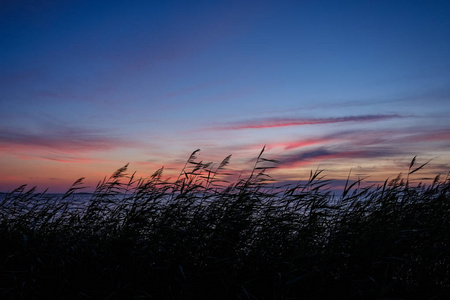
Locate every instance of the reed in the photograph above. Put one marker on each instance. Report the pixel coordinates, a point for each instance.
(200, 237)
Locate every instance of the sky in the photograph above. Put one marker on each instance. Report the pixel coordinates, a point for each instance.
(343, 86)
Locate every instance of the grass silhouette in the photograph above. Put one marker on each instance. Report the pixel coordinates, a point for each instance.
(200, 237)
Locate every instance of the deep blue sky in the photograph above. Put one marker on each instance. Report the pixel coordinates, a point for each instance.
(86, 86)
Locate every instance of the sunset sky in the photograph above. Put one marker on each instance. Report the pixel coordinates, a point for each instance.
(88, 86)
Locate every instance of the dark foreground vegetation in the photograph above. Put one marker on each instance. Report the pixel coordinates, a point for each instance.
(198, 237)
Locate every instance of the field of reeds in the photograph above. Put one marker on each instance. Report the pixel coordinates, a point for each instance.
(200, 237)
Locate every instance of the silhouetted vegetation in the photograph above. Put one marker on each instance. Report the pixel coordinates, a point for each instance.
(199, 237)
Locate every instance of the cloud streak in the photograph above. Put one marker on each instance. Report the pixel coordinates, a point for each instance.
(285, 122)
(63, 139)
(321, 154)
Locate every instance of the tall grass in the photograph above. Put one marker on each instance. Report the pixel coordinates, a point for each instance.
(200, 237)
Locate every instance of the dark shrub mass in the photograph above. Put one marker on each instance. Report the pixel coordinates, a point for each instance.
(200, 237)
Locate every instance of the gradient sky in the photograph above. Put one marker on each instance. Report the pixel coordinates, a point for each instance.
(88, 86)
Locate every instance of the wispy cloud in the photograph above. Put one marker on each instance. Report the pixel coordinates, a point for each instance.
(64, 139)
(69, 159)
(320, 154)
(284, 122)
(436, 135)
(315, 155)
(300, 143)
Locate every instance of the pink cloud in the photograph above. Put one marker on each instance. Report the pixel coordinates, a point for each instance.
(299, 144)
(64, 139)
